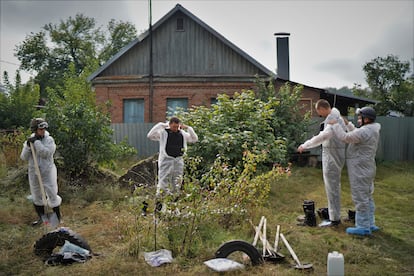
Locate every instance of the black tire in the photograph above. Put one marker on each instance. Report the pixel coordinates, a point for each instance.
(237, 245)
(46, 244)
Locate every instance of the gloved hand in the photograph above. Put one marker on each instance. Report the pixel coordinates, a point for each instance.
(32, 139)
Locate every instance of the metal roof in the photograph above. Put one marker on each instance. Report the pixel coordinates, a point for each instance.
(352, 97)
(179, 8)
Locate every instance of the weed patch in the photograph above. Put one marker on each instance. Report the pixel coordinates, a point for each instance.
(109, 218)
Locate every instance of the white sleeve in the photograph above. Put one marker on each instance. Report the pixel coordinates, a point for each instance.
(26, 152)
(191, 136)
(347, 137)
(47, 149)
(319, 139)
(155, 132)
(350, 126)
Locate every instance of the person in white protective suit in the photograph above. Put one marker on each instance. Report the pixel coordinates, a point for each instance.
(173, 141)
(360, 161)
(333, 159)
(45, 148)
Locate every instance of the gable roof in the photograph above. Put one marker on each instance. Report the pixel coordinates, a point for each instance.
(179, 8)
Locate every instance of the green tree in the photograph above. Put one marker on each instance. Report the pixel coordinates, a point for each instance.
(77, 41)
(233, 126)
(289, 120)
(119, 35)
(358, 91)
(403, 97)
(389, 84)
(81, 128)
(344, 90)
(19, 105)
(257, 123)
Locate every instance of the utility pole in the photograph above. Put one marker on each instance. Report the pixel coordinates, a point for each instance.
(151, 65)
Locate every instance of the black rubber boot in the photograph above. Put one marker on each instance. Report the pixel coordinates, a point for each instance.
(144, 208)
(57, 212)
(323, 213)
(158, 206)
(40, 211)
(309, 210)
(351, 216)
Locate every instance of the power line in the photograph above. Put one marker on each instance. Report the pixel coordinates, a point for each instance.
(8, 62)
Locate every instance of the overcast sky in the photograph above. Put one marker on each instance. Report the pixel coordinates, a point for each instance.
(330, 40)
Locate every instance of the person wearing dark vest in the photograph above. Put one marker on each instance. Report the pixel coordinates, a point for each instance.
(173, 138)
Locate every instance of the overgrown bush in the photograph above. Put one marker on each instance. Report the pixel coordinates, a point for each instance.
(232, 126)
(288, 121)
(195, 219)
(81, 129)
(241, 150)
(18, 105)
(11, 145)
(261, 122)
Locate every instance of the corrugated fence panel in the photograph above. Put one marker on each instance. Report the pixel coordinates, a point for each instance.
(396, 144)
(136, 135)
(397, 136)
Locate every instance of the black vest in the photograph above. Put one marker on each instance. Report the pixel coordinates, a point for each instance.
(175, 143)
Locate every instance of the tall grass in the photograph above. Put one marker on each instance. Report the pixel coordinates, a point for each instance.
(109, 219)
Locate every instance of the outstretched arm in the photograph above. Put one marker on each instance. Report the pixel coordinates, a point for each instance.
(317, 140)
(347, 137)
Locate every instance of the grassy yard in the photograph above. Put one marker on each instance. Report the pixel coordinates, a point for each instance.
(109, 220)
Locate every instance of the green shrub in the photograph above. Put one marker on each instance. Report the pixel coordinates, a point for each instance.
(81, 129)
(222, 201)
(19, 105)
(232, 126)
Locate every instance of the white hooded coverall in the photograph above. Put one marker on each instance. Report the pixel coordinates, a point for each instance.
(360, 160)
(333, 160)
(44, 149)
(170, 169)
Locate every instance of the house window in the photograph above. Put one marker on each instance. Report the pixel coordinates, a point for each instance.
(213, 101)
(176, 103)
(134, 111)
(180, 24)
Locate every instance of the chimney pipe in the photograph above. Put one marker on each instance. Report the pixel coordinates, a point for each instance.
(282, 50)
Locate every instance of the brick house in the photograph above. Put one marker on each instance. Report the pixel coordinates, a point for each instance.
(182, 62)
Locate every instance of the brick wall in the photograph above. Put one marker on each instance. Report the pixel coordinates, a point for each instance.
(196, 93)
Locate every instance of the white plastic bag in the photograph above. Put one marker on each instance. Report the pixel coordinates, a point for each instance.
(223, 264)
(70, 247)
(157, 258)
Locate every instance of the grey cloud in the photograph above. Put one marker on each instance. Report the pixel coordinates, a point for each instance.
(22, 16)
(397, 40)
(350, 70)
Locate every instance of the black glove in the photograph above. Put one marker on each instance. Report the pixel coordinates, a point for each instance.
(32, 140)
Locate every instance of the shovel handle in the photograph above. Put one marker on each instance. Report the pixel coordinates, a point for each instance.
(277, 237)
(290, 250)
(256, 237)
(264, 241)
(260, 235)
(39, 177)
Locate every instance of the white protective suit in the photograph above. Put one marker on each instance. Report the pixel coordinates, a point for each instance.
(44, 149)
(333, 160)
(360, 160)
(170, 169)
